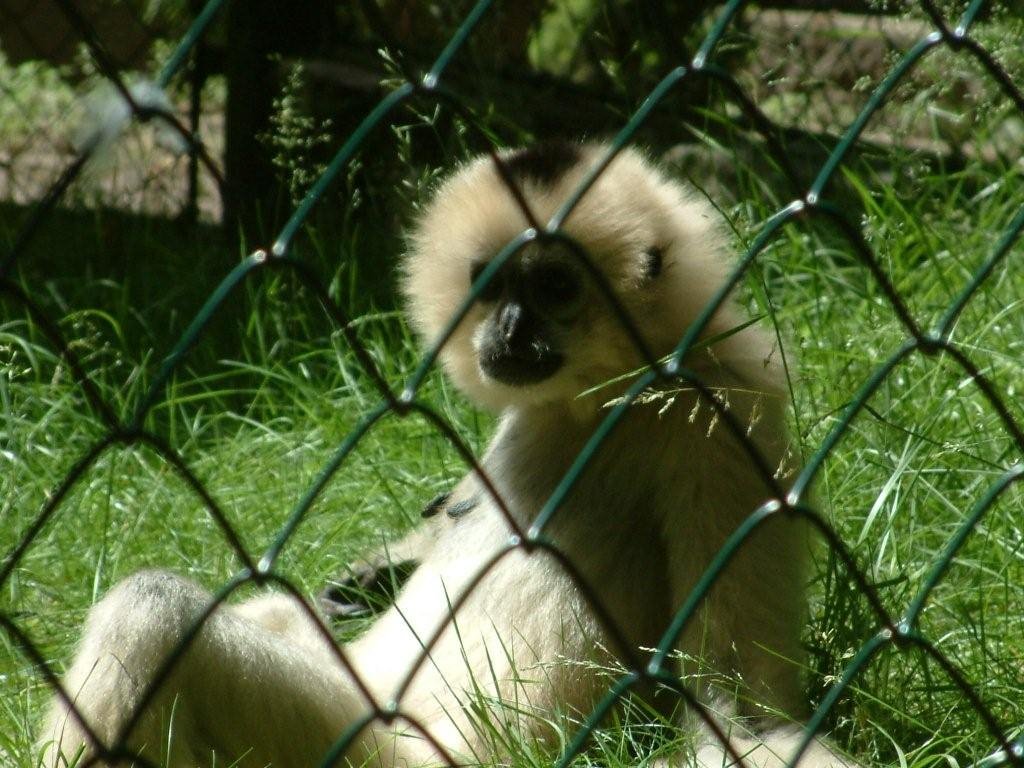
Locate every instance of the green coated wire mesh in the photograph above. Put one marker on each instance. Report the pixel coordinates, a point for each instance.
(892, 630)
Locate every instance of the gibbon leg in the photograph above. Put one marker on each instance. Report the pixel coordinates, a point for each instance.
(246, 692)
(771, 749)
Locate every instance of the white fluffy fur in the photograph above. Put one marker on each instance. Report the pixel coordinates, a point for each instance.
(259, 686)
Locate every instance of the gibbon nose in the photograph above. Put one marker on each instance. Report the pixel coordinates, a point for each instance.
(518, 352)
(510, 322)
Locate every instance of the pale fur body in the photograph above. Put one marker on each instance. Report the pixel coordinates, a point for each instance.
(260, 684)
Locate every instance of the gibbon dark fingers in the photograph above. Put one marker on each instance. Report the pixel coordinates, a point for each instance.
(365, 588)
(372, 581)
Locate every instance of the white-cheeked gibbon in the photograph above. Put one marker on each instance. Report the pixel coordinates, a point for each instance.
(522, 646)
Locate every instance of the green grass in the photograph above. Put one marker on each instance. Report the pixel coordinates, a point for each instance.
(272, 391)
(255, 428)
(917, 459)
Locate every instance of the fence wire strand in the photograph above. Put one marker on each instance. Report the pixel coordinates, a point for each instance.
(898, 632)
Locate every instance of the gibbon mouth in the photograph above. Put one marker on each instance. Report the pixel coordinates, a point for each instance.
(519, 369)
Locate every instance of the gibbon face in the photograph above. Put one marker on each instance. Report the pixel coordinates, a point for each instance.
(543, 329)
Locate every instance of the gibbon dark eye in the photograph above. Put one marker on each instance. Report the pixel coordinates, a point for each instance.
(653, 261)
(493, 290)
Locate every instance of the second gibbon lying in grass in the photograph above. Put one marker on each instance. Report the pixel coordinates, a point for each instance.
(259, 685)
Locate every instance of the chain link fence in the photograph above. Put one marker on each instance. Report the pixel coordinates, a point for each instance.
(50, 53)
(748, 97)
